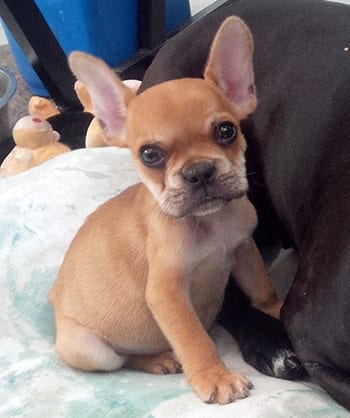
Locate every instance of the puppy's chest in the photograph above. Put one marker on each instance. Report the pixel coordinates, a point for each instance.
(213, 239)
(210, 253)
(210, 259)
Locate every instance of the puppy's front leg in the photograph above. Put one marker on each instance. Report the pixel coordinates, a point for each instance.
(250, 274)
(167, 297)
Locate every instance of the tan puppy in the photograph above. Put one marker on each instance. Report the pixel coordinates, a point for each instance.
(145, 276)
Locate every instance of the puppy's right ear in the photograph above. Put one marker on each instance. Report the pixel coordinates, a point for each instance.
(108, 94)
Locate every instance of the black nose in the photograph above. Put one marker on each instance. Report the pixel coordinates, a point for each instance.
(198, 175)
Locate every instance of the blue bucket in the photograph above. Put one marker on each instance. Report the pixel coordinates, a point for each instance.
(177, 12)
(104, 28)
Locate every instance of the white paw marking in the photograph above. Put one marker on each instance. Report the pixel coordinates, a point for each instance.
(278, 361)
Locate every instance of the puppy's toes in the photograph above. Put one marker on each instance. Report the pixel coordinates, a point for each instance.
(166, 363)
(163, 363)
(218, 385)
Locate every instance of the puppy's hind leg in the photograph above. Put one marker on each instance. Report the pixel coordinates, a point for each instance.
(163, 363)
(84, 349)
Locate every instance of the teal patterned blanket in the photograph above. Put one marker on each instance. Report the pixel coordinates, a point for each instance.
(40, 211)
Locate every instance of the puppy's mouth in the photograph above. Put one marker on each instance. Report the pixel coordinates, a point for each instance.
(212, 203)
(202, 202)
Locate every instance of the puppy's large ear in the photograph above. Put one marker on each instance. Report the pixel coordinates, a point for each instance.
(109, 96)
(230, 65)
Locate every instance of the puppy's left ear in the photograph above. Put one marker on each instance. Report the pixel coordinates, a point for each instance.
(230, 65)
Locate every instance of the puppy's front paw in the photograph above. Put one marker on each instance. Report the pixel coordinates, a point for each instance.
(218, 385)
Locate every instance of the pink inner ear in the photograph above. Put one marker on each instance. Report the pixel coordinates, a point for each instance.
(109, 96)
(231, 64)
(235, 71)
(108, 106)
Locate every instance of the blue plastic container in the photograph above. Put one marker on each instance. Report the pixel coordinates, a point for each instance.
(29, 75)
(177, 13)
(104, 28)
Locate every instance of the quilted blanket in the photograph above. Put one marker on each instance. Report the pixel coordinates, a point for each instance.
(40, 211)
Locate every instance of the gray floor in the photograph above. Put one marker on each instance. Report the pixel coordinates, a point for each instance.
(18, 105)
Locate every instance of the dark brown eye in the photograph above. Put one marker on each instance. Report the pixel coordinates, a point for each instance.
(152, 156)
(225, 133)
